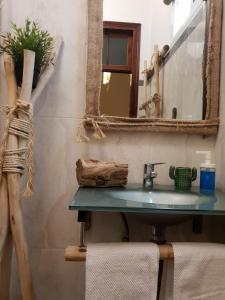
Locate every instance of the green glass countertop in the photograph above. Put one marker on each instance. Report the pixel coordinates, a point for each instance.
(133, 198)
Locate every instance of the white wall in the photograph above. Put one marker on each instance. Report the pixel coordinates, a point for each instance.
(50, 227)
(147, 13)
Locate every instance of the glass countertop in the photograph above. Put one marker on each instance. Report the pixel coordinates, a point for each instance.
(162, 199)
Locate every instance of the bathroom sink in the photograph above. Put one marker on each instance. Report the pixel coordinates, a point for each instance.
(162, 205)
(157, 197)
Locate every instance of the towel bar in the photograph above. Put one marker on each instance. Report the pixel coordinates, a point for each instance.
(78, 253)
(75, 253)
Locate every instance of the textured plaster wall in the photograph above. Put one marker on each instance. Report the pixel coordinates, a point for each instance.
(50, 227)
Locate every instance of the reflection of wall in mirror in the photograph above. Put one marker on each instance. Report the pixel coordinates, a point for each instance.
(182, 10)
(156, 26)
(182, 75)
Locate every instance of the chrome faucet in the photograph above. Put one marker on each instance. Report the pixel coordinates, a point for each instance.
(150, 174)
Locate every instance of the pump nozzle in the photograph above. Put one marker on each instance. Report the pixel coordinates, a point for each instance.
(208, 155)
(208, 158)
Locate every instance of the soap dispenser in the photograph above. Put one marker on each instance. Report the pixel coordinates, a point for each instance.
(207, 173)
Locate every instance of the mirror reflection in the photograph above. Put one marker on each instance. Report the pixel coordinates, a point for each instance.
(153, 60)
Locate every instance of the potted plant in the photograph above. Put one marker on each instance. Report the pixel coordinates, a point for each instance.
(30, 37)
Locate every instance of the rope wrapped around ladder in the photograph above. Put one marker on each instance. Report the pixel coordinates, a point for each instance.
(17, 160)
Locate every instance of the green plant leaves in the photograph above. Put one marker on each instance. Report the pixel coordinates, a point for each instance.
(30, 37)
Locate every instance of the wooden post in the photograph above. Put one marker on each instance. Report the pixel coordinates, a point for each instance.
(4, 213)
(25, 93)
(156, 81)
(16, 220)
(5, 241)
(145, 80)
(5, 235)
(28, 73)
(5, 268)
(156, 69)
(146, 105)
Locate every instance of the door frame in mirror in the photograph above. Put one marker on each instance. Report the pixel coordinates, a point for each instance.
(211, 76)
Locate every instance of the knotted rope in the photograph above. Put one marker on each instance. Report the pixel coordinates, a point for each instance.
(82, 134)
(17, 160)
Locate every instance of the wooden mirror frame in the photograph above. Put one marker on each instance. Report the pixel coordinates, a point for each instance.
(211, 76)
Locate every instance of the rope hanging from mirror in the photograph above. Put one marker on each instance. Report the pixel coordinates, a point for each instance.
(82, 133)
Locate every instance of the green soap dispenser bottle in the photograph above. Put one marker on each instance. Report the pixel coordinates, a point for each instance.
(207, 173)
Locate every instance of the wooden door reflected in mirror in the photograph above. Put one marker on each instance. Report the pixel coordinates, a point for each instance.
(120, 60)
(115, 94)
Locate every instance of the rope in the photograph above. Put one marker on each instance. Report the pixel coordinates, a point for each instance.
(17, 160)
(82, 133)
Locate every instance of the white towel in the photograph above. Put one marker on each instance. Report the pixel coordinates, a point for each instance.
(123, 271)
(199, 272)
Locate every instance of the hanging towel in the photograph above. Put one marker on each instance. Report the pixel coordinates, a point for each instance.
(126, 271)
(198, 272)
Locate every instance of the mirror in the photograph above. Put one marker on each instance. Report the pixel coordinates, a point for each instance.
(182, 26)
(158, 69)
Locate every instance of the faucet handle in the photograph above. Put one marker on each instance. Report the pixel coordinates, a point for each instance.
(149, 167)
(158, 163)
(152, 165)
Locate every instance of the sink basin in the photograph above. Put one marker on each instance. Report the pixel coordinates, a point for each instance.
(157, 197)
(162, 206)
